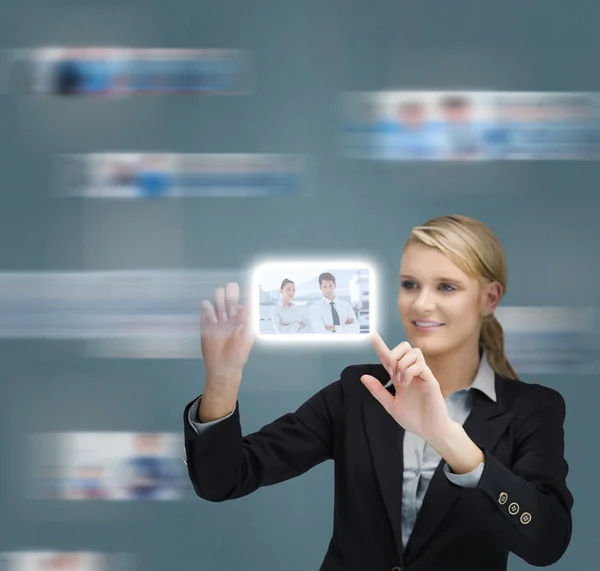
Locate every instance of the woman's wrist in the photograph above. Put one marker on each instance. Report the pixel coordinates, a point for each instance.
(457, 449)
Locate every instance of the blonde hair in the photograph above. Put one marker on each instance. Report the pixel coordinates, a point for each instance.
(476, 250)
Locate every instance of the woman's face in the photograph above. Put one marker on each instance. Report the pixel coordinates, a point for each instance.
(288, 292)
(434, 290)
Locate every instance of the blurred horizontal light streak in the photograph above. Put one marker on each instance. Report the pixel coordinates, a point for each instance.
(470, 125)
(551, 340)
(55, 560)
(131, 312)
(119, 71)
(168, 175)
(107, 466)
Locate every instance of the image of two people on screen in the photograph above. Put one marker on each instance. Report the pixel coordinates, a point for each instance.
(317, 306)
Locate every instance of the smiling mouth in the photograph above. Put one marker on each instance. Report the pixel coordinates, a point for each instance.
(426, 324)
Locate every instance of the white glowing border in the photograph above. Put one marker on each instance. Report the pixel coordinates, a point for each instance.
(331, 263)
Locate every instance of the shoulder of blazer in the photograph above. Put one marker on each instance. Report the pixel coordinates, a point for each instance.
(518, 395)
(353, 373)
(350, 382)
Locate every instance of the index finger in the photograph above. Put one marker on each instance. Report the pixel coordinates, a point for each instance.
(245, 312)
(384, 353)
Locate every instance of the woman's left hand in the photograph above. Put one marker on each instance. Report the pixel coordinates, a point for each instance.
(419, 406)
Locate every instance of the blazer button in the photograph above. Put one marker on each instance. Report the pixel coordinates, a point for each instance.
(502, 498)
(513, 509)
(184, 461)
(525, 518)
(396, 569)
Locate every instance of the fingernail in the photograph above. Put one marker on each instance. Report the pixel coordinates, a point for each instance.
(232, 310)
(214, 319)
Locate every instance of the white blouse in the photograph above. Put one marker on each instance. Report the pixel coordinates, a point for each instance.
(290, 317)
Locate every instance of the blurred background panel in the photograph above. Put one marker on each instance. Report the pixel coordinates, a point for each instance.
(109, 71)
(41, 560)
(471, 126)
(152, 175)
(263, 79)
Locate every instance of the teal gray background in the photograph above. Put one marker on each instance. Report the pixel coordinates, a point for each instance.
(306, 54)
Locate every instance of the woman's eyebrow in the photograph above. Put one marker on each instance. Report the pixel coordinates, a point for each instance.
(440, 279)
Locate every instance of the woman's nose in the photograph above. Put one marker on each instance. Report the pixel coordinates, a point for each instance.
(424, 301)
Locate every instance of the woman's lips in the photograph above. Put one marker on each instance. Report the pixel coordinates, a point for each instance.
(431, 325)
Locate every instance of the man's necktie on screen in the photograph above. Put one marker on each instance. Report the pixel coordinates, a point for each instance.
(336, 317)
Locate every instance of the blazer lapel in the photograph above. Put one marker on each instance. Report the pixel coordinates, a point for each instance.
(385, 437)
(486, 423)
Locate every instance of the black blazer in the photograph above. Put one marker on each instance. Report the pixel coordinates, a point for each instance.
(521, 504)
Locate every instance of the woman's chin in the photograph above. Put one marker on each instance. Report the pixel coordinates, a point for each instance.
(428, 345)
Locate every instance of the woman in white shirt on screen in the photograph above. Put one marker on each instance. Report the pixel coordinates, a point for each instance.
(287, 317)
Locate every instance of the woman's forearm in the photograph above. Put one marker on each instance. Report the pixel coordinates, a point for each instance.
(458, 450)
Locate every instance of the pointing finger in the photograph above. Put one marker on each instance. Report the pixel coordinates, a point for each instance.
(384, 354)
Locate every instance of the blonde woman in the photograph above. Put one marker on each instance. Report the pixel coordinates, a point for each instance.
(444, 459)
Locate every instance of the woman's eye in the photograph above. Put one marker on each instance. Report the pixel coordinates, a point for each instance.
(411, 285)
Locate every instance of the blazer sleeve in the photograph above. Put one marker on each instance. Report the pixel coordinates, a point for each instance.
(224, 465)
(530, 504)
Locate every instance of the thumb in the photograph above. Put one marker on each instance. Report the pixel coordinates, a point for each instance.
(380, 393)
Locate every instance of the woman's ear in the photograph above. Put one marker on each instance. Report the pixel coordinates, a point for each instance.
(492, 295)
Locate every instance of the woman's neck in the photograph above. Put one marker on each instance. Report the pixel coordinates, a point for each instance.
(454, 370)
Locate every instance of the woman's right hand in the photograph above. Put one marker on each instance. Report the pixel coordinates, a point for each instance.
(226, 335)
